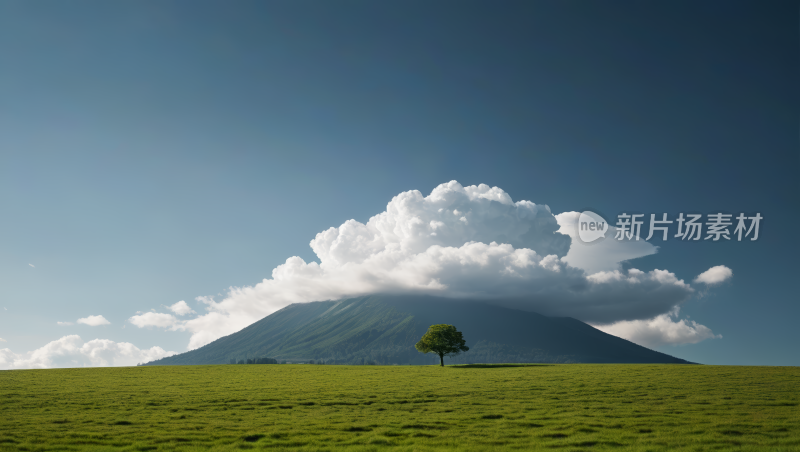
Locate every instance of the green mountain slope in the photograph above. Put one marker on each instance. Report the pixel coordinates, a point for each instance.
(383, 330)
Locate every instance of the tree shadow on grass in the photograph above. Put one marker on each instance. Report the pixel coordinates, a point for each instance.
(491, 366)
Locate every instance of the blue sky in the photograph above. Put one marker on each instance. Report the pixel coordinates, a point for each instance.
(152, 152)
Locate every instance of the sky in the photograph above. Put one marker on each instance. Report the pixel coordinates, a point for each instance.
(173, 171)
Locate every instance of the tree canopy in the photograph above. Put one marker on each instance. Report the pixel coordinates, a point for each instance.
(444, 340)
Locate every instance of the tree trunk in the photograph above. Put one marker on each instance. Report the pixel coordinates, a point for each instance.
(441, 360)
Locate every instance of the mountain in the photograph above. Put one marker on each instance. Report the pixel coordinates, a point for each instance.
(383, 329)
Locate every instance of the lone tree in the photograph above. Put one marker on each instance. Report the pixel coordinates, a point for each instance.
(444, 340)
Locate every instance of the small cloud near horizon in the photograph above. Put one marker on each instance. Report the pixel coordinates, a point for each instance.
(94, 320)
(181, 308)
(664, 329)
(157, 319)
(714, 275)
(32, 265)
(64, 323)
(72, 351)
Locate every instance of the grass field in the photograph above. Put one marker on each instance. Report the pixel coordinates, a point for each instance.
(306, 407)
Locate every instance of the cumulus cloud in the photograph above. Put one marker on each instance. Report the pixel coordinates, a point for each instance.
(65, 323)
(181, 308)
(460, 242)
(714, 275)
(72, 351)
(94, 320)
(149, 319)
(660, 330)
(32, 266)
(604, 255)
(2, 340)
(450, 216)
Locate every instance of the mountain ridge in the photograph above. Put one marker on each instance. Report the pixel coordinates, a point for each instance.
(384, 328)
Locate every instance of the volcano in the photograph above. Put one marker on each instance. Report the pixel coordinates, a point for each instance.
(382, 329)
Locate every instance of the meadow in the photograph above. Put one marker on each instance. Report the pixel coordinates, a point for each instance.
(410, 408)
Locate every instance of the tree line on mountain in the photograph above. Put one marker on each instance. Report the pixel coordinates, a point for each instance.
(273, 361)
(254, 361)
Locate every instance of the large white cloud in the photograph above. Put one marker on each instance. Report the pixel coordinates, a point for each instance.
(462, 242)
(660, 330)
(72, 351)
(450, 216)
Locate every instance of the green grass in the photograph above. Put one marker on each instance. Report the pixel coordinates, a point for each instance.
(479, 407)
